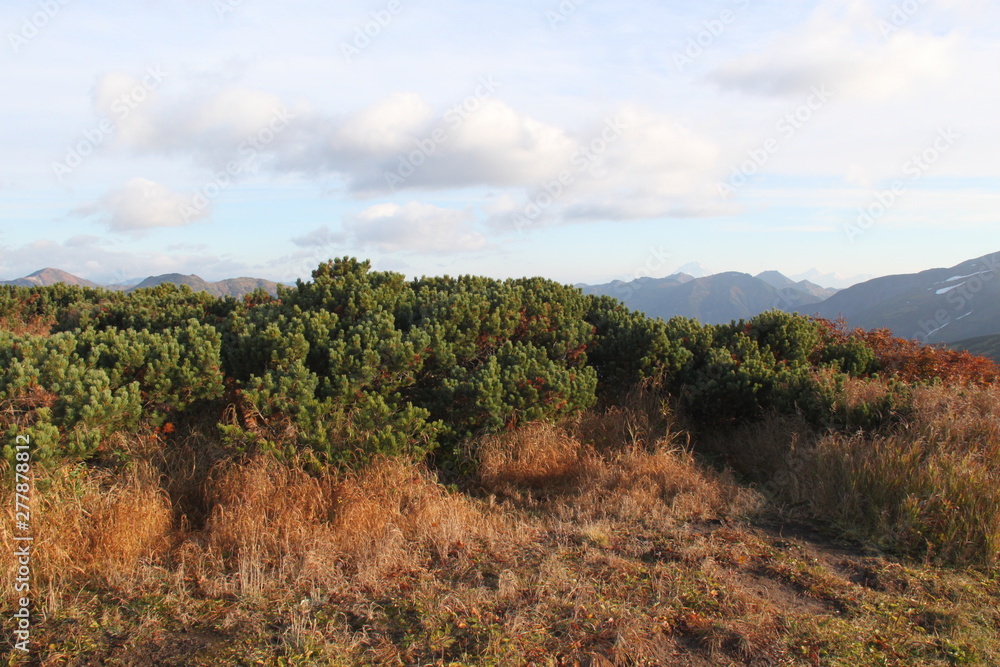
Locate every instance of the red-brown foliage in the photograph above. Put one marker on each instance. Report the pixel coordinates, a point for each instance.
(912, 361)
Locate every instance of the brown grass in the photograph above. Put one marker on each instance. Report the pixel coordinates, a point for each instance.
(931, 487)
(92, 526)
(272, 525)
(35, 325)
(565, 549)
(928, 486)
(658, 480)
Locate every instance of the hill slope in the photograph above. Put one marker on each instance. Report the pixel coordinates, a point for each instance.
(780, 281)
(933, 306)
(49, 276)
(234, 287)
(984, 346)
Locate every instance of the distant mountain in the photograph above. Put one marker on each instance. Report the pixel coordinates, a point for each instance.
(934, 306)
(131, 282)
(651, 286)
(695, 270)
(194, 282)
(234, 287)
(984, 346)
(834, 280)
(714, 299)
(238, 287)
(782, 282)
(49, 276)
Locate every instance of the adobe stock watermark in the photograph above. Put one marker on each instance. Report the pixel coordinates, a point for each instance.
(91, 139)
(959, 296)
(224, 8)
(786, 127)
(788, 478)
(900, 16)
(248, 153)
(655, 263)
(424, 148)
(712, 30)
(915, 167)
(583, 159)
(23, 540)
(787, 299)
(562, 12)
(33, 25)
(367, 33)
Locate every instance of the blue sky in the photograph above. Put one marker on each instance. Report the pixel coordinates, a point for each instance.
(580, 140)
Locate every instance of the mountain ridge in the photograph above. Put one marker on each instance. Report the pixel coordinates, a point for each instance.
(941, 305)
(714, 299)
(938, 305)
(49, 276)
(234, 287)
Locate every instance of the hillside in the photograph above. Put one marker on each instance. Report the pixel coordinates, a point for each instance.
(234, 287)
(373, 470)
(49, 276)
(941, 305)
(780, 282)
(934, 306)
(653, 287)
(194, 282)
(985, 346)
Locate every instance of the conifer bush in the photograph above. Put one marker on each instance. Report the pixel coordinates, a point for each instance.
(357, 363)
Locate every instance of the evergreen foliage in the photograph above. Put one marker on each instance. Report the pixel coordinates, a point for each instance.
(357, 363)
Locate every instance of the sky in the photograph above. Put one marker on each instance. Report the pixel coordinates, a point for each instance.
(581, 140)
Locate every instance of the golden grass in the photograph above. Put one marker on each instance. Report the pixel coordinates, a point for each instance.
(655, 481)
(931, 486)
(91, 526)
(34, 325)
(928, 486)
(563, 548)
(273, 525)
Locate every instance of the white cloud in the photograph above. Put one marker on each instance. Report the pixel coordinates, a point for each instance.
(385, 128)
(400, 143)
(844, 47)
(142, 204)
(634, 164)
(321, 237)
(415, 227)
(496, 145)
(638, 164)
(128, 100)
(214, 128)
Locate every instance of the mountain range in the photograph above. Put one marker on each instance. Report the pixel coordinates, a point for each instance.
(234, 287)
(713, 299)
(933, 306)
(958, 306)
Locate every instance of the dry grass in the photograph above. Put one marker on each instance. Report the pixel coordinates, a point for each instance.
(928, 486)
(658, 481)
(273, 526)
(566, 549)
(92, 526)
(932, 486)
(34, 325)
(539, 456)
